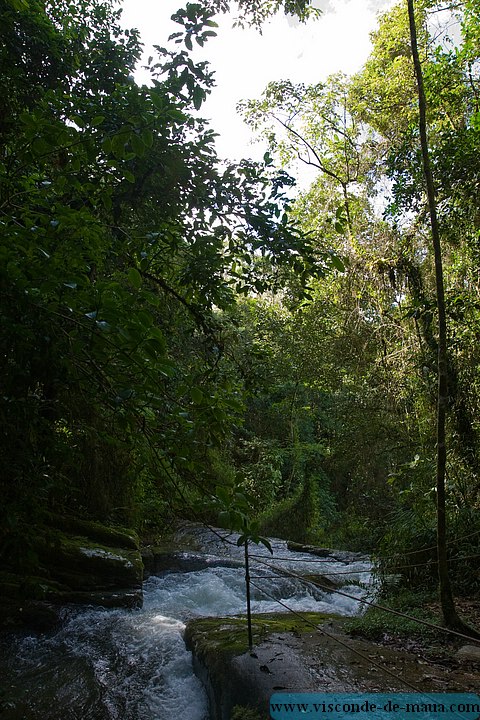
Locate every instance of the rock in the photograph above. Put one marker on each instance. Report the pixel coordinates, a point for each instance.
(85, 565)
(312, 549)
(158, 560)
(469, 653)
(345, 556)
(119, 598)
(103, 534)
(324, 582)
(290, 655)
(234, 676)
(32, 614)
(73, 565)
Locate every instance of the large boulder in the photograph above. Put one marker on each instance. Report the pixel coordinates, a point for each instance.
(158, 560)
(313, 654)
(84, 564)
(73, 561)
(234, 676)
(344, 556)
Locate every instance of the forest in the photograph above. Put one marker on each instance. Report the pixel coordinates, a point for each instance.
(184, 337)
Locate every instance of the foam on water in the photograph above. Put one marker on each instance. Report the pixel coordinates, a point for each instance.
(133, 665)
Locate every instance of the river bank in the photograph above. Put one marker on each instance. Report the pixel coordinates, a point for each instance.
(290, 655)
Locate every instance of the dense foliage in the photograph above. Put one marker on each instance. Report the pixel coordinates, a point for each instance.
(375, 346)
(178, 338)
(123, 237)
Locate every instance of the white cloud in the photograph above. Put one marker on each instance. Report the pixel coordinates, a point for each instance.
(244, 61)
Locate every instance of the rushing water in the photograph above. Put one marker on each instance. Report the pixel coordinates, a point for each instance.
(133, 664)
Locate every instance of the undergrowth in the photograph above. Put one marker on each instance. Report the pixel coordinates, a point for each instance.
(376, 624)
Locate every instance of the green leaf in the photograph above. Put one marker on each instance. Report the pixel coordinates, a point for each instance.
(97, 120)
(267, 544)
(337, 263)
(223, 494)
(147, 138)
(224, 518)
(138, 146)
(197, 395)
(157, 100)
(19, 5)
(135, 278)
(192, 11)
(118, 145)
(124, 394)
(198, 97)
(40, 146)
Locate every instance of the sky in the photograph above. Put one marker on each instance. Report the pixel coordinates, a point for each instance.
(245, 61)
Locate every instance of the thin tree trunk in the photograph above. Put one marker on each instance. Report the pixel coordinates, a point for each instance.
(450, 616)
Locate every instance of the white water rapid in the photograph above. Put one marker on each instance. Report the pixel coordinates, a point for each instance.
(133, 664)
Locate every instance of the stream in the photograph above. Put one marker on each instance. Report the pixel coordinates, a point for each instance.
(132, 664)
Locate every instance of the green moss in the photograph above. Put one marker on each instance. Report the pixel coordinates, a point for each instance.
(65, 563)
(116, 536)
(216, 642)
(216, 636)
(241, 712)
(82, 563)
(16, 587)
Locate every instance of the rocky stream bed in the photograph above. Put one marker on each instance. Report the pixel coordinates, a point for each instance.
(86, 650)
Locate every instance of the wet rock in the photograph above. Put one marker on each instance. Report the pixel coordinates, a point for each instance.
(83, 564)
(32, 614)
(95, 531)
(344, 556)
(73, 565)
(119, 598)
(158, 560)
(324, 582)
(232, 675)
(291, 655)
(469, 653)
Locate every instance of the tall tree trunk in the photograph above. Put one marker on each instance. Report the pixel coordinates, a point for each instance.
(450, 616)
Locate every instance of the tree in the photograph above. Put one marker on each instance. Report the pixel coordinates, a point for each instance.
(122, 235)
(389, 261)
(450, 616)
(313, 125)
(255, 12)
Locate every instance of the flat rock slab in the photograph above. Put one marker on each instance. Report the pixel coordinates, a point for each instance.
(297, 658)
(344, 556)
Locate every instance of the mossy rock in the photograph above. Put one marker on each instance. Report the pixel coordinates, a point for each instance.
(83, 564)
(311, 549)
(116, 536)
(229, 635)
(324, 582)
(79, 568)
(159, 559)
(222, 660)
